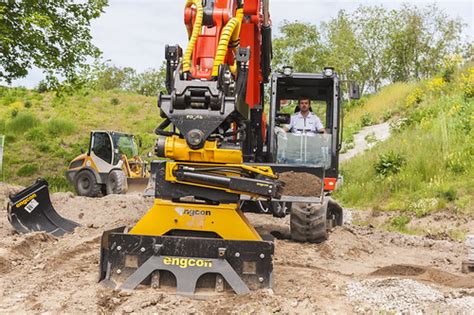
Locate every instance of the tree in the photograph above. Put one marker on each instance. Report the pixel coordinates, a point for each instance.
(419, 39)
(299, 46)
(149, 83)
(372, 29)
(343, 49)
(52, 35)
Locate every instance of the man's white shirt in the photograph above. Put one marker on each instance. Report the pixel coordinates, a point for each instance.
(300, 124)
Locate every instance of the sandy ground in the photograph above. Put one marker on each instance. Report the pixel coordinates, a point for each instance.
(359, 269)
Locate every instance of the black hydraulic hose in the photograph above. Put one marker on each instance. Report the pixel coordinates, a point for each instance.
(160, 129)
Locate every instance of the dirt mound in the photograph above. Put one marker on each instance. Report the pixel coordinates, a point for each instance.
(427, 274)
(5, 191)
(300, 184)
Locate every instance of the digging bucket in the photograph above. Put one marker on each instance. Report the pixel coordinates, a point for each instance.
(31, 210)
(137, 185)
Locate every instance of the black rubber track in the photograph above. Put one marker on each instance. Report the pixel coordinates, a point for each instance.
(308, 222)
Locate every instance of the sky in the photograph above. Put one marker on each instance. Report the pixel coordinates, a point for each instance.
(134, 33)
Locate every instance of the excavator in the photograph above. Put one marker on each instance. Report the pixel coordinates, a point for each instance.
(222, 150)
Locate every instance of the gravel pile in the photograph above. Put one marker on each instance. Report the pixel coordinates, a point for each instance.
(403, 296)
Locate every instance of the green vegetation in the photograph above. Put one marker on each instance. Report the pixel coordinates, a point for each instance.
(52, 35)
(427, 163)
(399, 223)
(374, 45)
(43, 137)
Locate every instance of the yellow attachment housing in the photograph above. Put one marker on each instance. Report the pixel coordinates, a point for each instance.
(197, 27)
(177, 149)
(226, 220)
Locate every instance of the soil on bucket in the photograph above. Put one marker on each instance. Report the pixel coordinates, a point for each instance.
(300, 184)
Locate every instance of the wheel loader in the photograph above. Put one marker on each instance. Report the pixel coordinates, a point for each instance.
(111, 165)
(222, 150)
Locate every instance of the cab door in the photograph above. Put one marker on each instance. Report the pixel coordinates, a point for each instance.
(102, 151)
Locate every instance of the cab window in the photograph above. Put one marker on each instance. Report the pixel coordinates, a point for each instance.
(102, 146)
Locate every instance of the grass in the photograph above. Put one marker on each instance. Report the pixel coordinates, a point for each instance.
(47, 132)
(427, 163)
(388, 103)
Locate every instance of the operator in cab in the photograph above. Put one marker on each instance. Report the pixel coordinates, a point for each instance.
(305, 120)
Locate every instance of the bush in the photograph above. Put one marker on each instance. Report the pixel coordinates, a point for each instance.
(43, 147)
(14, 113)
(42, 87)
(399, 124)
(35, 134)
(366, 120)
(133, 109)
(387, 114)
(370, 138)
(457, 163)
(58, 183)
(27, 104)
(10, 138)
(114, 101)
(27, 170)
(399, 223)
(22, 122)
(414, 98)
(423, 207)
(389, 164)
(449, 194)
(60, 126)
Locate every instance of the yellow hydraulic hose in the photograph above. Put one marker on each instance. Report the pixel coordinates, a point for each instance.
(196, 31)
(231, 32)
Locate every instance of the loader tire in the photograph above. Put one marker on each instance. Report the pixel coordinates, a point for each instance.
(116, 183)
(308, 222)
(86, 185)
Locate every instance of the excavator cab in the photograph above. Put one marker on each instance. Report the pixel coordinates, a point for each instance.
(307, 148)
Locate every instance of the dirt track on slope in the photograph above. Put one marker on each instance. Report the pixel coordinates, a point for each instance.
(41, 273)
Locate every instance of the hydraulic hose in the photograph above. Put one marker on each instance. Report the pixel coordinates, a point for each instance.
(230, 36)
(194, 35)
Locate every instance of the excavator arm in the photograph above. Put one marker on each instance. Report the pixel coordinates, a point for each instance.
(213, 123)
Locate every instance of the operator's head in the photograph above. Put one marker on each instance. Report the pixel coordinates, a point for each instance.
(304, 104)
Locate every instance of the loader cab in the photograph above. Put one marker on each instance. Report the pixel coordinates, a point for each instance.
(108, 146)
(302, 148)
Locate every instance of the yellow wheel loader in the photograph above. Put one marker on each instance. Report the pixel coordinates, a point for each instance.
(110, 166)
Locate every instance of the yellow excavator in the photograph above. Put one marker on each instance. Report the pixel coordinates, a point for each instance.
(221, 151)
(111, 165)
(221, 157)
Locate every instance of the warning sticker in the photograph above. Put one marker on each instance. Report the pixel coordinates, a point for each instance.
(31, 205)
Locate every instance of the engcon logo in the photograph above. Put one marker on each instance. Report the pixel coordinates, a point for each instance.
(26, 200)
(187, 262)
(193, 212)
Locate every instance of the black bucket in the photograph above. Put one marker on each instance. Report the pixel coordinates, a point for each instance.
(31, 210)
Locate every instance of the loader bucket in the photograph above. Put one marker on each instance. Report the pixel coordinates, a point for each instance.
(31, 210)
(137, 185)
(194, 266)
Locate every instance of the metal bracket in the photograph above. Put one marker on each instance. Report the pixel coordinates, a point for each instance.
(186, 278)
